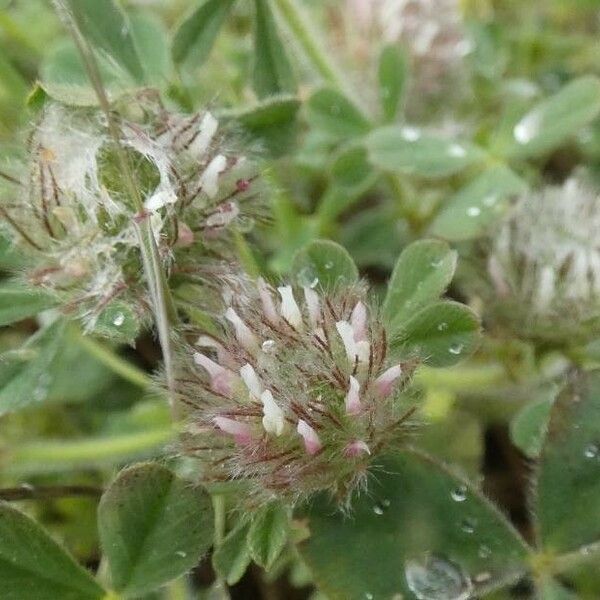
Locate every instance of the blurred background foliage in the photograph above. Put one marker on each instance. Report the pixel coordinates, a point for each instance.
(319, 130)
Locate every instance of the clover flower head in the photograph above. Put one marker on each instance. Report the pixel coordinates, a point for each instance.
(431, 31)
(74, 219)
(296, 395)
(544, 261)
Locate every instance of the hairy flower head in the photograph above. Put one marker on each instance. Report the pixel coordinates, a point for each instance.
(72, 216)
(296, 395)
(543, 264)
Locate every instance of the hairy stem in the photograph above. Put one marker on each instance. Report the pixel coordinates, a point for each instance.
(162, 303)
(31, 492)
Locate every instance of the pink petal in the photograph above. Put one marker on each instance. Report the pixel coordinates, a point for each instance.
(312, 443)
(353, 405)
(384, 384)
(221, 379)
(241, 432)
(358, 320)
(356, 448)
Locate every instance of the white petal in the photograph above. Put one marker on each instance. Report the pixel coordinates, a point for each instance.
(210, 178)
(384, 384)
(313, 305)
(273, 420)
(266, 299)
(208, 128)
(222, 379)
(289, 309)
(159, 199)
(358, 320)
(242, 333)
(224, 215)
(250, 378)
(354, 349)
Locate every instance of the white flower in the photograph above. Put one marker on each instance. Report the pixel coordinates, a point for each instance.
(353, 405)
(210, 178)
(250, 378)
(354, 350)
(312, 443)
(208, 128)
(384, 384)
(273, 419)
(222, 379)
(243, 334)
(240, 431)
(289, 308)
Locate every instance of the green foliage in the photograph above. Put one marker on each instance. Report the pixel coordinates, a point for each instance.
(268, 534)
(392, 81)
(415, 509)
(325, 264)
(232, 557)
(153, 526)
(196, 34)
(17, 303)
(407, 150)
(34, 567)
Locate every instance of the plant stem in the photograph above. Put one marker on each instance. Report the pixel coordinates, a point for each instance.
(219, 510)
(165, 313)
(31, 492)
(113, 361)
(299, 26)
(59, 455)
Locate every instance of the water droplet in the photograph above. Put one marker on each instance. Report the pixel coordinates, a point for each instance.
(368, 596)
(442, 326)
(329, 265)
(378, 509)
(527, 128)
(468, 525)
(27, 487)
(41, 390)
(268, 346)
(119, 319)
(457, 151)
(490, 200)
(385, 503)
(484, 551)
(411, 134)
(591, 451)
(473, 211)
(459, 494)
(436, 263)
(435, 578)
(482, 577)
(181, 553)
(456, 348)
(307, 277)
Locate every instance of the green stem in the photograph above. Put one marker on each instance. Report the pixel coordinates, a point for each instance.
(219, 510)
(467, 378)
(59, 455)
(567, 562)
(113, 361)
(307, 39)
(162, 303)
(45, 492)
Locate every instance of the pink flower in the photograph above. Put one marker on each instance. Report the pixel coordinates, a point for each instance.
(358, 320)
(384, 384)
(242, 332)
(266, 300)
(312, 443)
(353, 405)
(356, 448)
(222, 380)
(241, 432)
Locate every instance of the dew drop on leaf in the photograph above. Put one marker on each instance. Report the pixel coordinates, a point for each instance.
(455, 349)
(119, 319)
(484, 551)
(411, 134)
(378, 509)
(329, 265)
(591, 451)
(442, 326)
(435, 578)
(468, 526)
(459, 494)
(457, 151)
(473, 211)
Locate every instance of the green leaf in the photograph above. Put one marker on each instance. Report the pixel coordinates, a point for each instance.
(442, 333)
(196, 34)
(351, 171)
(151, 40)
(268, 534)
(18, 303)
(478, 205)
(272, 122)
(26, 375)
(34, 567)
(108, 28)
(407, 150)
(421, 275)
(550, 589)
(232, 557)
(556, 119)
(153, 527)
(331, 113)
(415, 512)
(272, 70)
(393, 73)
(528, 426)
(118, 322)
(568, 484)
(325, 264)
